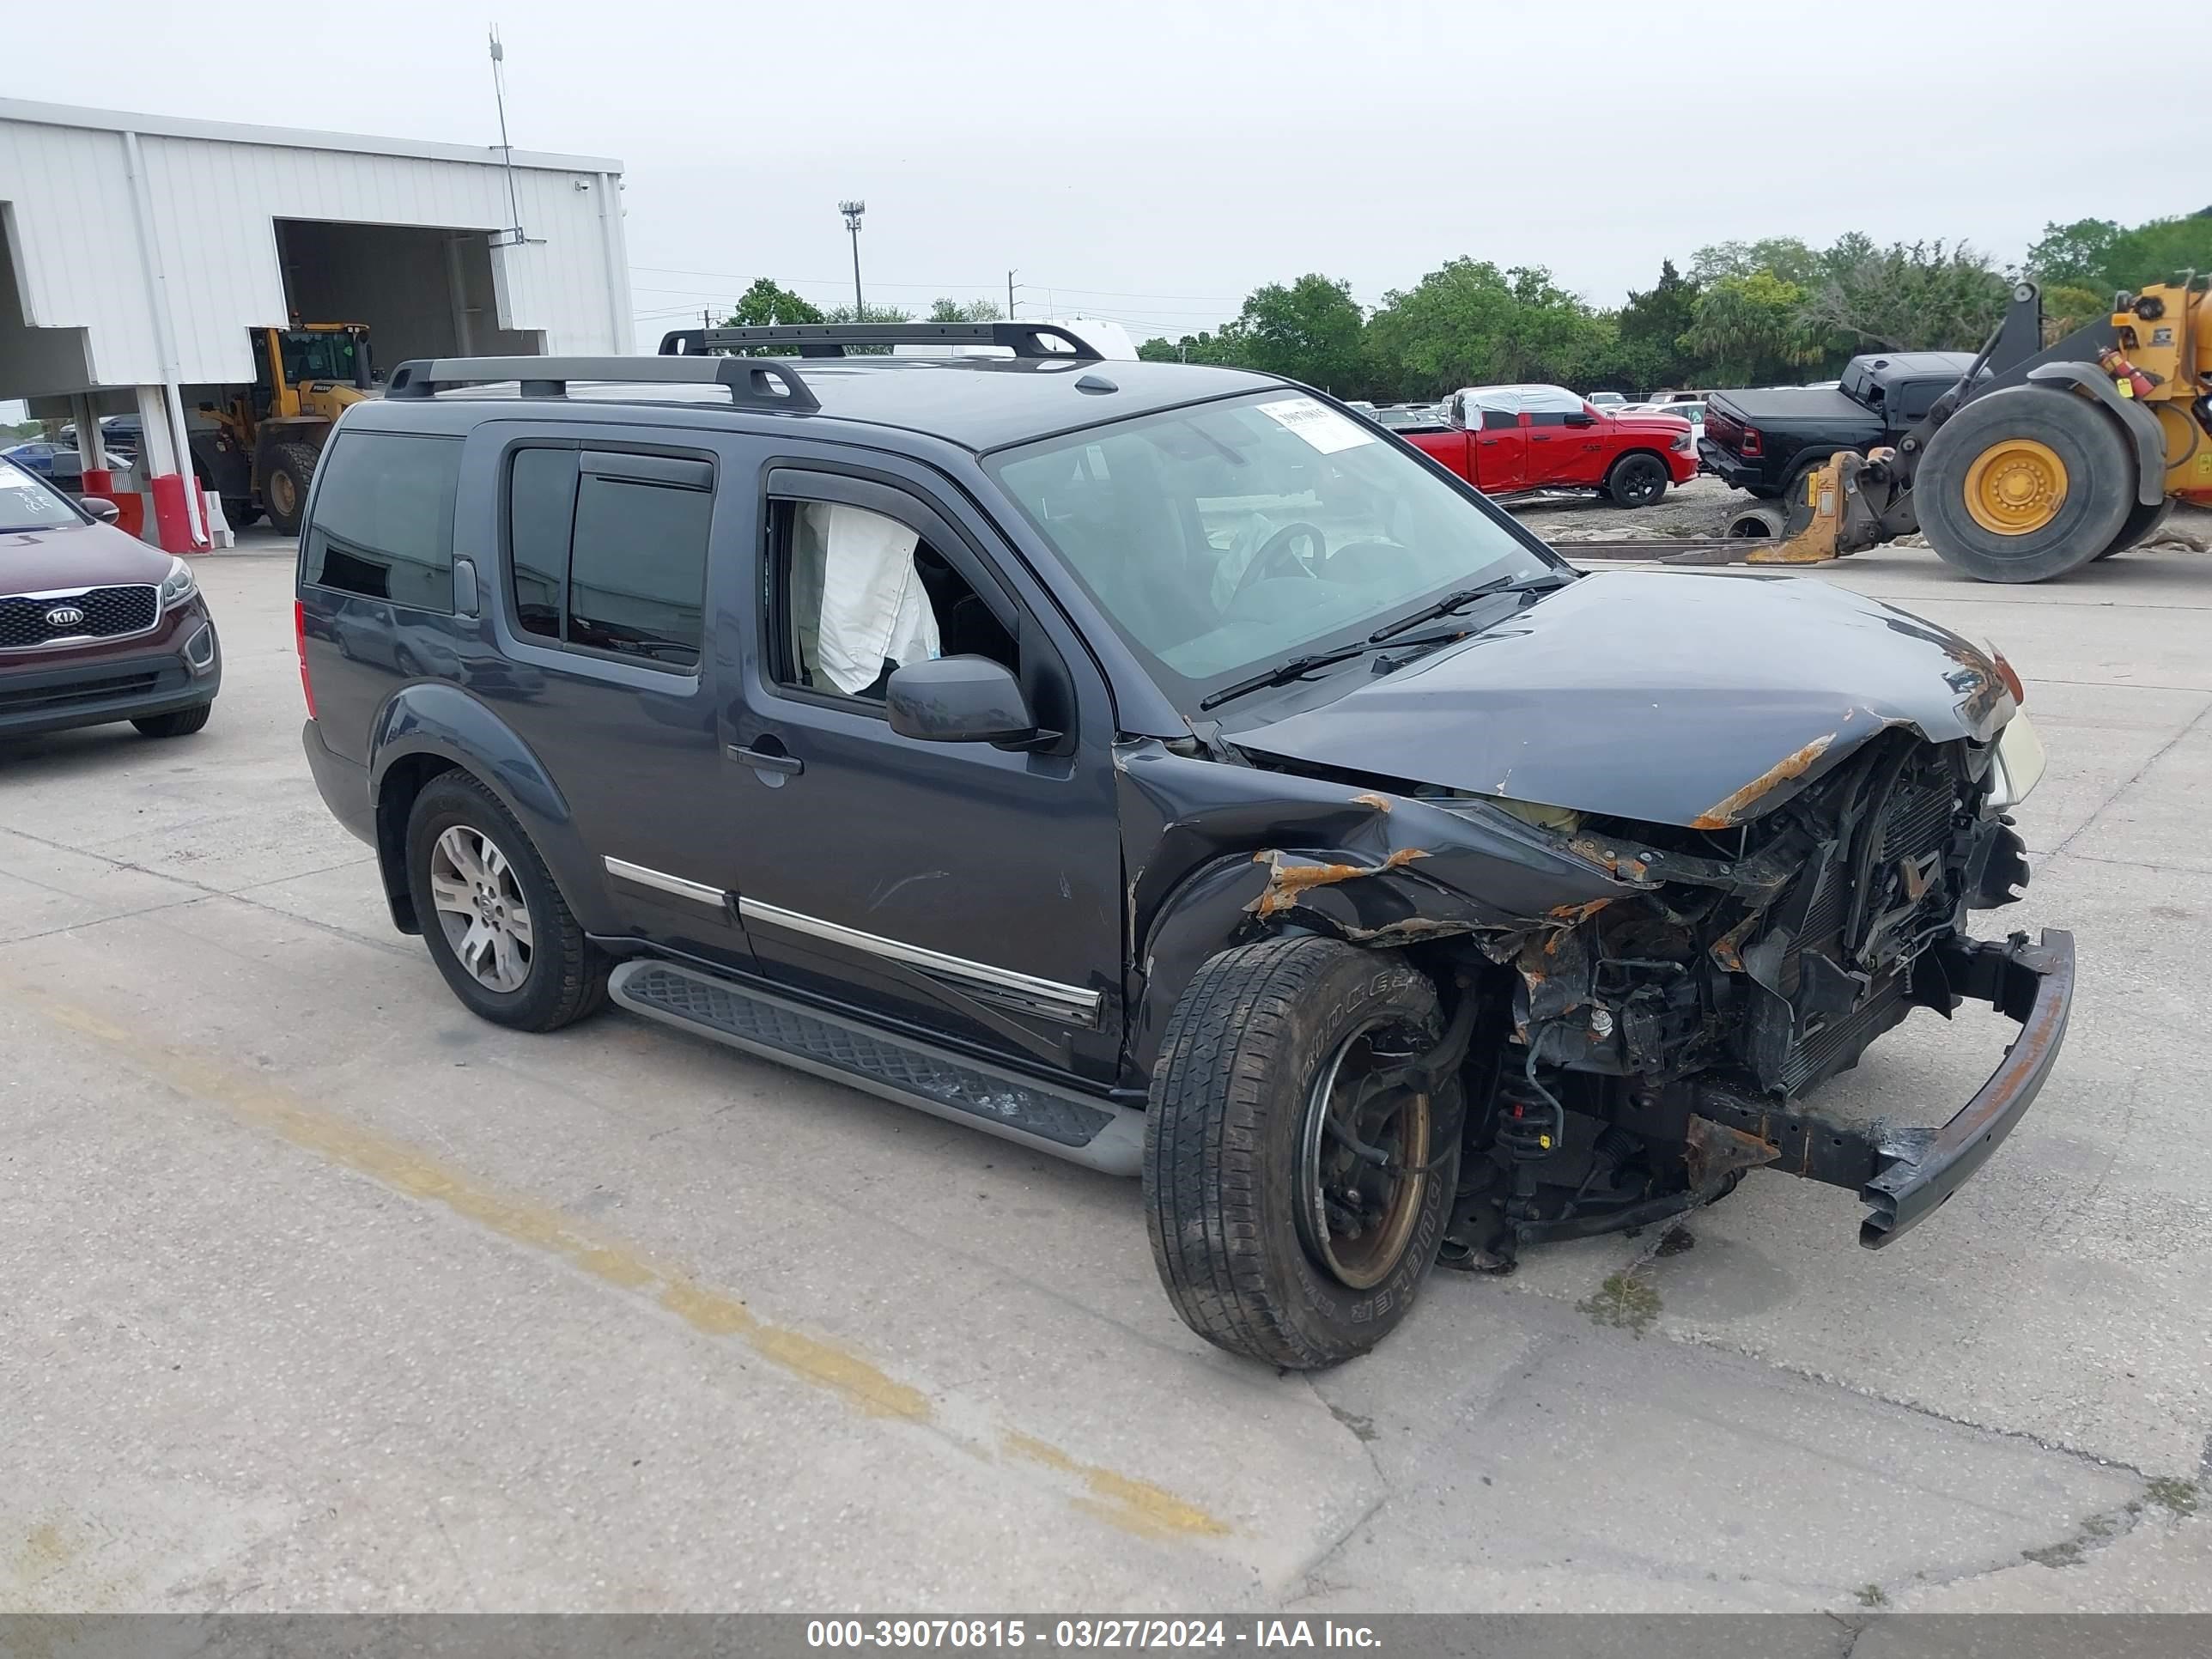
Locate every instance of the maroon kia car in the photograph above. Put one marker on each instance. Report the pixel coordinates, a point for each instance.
(94, 625)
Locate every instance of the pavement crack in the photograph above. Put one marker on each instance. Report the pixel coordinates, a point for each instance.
(2135, 777)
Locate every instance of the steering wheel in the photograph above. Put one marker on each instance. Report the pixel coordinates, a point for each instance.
(1276, 550)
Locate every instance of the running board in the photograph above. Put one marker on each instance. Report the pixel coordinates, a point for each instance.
(1083, 1130)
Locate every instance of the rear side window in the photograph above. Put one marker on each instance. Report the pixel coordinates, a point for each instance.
(384, 519)
(607, 552)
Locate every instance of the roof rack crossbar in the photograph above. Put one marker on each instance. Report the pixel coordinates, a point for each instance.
(831, 339)
(754, 382)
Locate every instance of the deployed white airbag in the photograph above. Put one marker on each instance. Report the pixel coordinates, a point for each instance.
(874, 609)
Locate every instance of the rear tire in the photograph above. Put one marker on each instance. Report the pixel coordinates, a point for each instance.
(178, 723)
(284, 486)
(2099, 486)
(238, 512)
(1637, 480)
(1237, 1160)
(565, 975)
(2143, 524)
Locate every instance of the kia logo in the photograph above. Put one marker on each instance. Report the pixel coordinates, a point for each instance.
(64, 615)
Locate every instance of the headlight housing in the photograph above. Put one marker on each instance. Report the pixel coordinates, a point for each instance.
(2017, 766)
(178, 585)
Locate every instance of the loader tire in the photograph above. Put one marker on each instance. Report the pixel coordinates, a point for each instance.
(2025, 484)
(2143, 524)
(1249, 1190)
(285, 487)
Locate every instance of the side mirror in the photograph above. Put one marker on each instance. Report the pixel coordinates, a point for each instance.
(1581, 417)
(958, 699)
(100, 507)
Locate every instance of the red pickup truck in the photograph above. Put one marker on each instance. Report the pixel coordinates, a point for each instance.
(1507, 438)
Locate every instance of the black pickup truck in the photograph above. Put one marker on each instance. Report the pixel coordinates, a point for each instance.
(1763, 441)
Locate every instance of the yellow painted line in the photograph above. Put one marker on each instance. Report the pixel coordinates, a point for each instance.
(1135, 1506)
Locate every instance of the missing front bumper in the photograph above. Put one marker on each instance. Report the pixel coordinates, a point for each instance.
(1905, 1174)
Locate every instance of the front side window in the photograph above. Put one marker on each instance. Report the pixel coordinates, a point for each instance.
(1225, 538)
(609, 551)
(857, 593)
(383, 524)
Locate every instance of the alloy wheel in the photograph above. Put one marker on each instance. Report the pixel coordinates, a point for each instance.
(480, 908)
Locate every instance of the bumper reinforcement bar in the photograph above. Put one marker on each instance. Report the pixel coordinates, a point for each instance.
(1905, 1174)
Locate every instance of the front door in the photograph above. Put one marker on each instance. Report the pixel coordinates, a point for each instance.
(968, 891)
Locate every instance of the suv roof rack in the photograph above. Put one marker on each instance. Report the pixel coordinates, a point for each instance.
(830, 339)
(758, 385)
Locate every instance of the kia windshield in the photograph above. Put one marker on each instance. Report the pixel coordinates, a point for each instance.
(27, 504)
(1225, 539)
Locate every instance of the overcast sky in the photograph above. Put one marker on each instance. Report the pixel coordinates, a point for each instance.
(1153, 163)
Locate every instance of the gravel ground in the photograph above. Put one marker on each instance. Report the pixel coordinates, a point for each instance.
(1703, 506)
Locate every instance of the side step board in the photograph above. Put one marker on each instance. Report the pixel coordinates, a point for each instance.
(1066, 1124)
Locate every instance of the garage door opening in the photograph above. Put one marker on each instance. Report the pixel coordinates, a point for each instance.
(422, 292)
(33, 362)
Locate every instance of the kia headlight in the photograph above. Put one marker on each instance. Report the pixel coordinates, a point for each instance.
(178, 585)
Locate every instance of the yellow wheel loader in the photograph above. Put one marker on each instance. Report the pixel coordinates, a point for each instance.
(260, 451)
(2040, 461)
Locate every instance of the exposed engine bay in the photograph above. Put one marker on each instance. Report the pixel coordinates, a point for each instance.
(1648, 1039)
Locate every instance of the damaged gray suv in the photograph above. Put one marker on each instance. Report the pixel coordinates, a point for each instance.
(1166, 769)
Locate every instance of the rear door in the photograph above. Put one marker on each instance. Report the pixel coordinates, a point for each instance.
(1501, 448)
(606, 537)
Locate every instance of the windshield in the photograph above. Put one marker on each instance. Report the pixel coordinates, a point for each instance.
(1224, 538)
(319, 357)
(27, 504)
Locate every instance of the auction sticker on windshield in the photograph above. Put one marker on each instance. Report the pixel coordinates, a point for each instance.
(1319, 425)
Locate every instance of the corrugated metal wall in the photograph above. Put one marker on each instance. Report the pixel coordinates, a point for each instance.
(212, 202)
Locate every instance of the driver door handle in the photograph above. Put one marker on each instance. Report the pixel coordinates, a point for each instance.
(768, 760)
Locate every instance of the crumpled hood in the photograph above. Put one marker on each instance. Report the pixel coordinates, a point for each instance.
(1665, 696)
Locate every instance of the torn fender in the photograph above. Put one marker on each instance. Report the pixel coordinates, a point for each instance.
(1218, 854)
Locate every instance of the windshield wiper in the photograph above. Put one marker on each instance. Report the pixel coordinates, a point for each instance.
(1284, 673)
(1467, 596)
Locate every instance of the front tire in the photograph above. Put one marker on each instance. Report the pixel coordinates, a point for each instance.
(1274, 1239)
(284, 488)
(1637, 480)
(495, 923)
(179, 723)
(2025, 484)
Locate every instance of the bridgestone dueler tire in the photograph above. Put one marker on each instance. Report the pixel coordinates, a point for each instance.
(2144, 522)
(2100, 484)
(567, 976)
(1237, 1065)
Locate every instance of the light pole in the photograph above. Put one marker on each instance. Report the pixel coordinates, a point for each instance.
(852, 211)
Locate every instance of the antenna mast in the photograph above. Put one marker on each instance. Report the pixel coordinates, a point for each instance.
(511, 236)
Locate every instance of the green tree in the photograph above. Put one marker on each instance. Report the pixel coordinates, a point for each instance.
(1471, 323)
(868, 313)
(766, 303)
(1916, 296)
(1650, 330)
(2098, 255)
(965, 311)
(1308, 331)
(1747, 331)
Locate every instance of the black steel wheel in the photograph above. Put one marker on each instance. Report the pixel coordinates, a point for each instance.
(1637, 480)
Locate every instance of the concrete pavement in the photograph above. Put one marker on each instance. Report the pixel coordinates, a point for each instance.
(316, 1293)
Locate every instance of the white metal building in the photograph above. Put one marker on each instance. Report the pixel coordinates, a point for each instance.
(142, 250)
